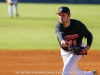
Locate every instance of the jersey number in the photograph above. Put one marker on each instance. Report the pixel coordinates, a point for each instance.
(71, 39)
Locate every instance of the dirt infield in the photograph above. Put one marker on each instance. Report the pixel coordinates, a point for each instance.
(41, 62)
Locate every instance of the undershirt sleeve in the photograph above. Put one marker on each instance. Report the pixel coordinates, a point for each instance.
(59, 32)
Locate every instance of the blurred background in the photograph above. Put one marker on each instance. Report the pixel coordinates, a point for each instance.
(61, 1)
(35, 26)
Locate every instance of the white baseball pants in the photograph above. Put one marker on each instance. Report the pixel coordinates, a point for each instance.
(70, 64)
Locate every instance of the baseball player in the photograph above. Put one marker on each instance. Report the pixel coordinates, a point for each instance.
(12, 3)
(70, 33)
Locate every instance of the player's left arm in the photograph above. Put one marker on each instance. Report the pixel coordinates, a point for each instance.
(89, 40)
(88, 35)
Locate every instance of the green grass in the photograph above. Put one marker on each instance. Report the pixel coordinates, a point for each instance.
(34, 28)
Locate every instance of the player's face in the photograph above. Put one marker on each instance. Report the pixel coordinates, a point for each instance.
(64, 17)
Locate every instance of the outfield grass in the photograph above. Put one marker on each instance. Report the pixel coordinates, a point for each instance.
(34, 28)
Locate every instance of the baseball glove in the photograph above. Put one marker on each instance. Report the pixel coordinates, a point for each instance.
(77, 50)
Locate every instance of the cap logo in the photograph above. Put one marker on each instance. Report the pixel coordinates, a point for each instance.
(60, 10)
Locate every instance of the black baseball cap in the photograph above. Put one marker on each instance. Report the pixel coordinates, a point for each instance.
(63, 9)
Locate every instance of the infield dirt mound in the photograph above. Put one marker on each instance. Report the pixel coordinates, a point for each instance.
(42, 62)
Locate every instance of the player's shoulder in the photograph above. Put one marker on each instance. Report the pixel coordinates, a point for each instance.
(76, 22)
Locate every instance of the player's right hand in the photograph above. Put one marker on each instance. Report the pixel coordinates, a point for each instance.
(64, 43)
